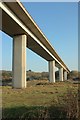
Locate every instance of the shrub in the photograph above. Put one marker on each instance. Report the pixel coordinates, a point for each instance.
(70, 104)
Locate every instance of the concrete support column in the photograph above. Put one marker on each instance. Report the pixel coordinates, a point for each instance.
(65, 75)
(61, 74)
(52, 71)
(19, 61)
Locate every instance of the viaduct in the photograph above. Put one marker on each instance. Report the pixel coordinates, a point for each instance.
(17, 23)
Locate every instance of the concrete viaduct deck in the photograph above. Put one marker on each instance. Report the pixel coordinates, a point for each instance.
(17, 23)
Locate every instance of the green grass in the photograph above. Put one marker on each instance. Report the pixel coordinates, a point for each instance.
(36, 100)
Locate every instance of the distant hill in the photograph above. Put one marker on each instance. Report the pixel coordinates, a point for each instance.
(74, 74)
(6, 74)
(39, 75)
(30, 75)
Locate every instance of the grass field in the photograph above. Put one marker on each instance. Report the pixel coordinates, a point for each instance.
(41, 99)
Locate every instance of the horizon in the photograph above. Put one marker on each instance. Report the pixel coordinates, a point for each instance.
(38, 71)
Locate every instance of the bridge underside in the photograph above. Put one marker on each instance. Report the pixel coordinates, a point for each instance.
(26, 34)
(8, 28)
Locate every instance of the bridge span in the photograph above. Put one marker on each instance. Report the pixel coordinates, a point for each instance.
(17, 23)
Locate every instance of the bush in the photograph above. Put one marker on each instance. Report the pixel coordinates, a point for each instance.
(69, 104)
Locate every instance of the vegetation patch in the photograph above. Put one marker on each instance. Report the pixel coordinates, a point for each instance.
(57, 101)
(41, 100)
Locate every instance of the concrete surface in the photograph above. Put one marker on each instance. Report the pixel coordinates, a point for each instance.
(19, 61)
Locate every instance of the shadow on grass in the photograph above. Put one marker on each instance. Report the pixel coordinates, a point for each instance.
(35, 113)
(7, 82)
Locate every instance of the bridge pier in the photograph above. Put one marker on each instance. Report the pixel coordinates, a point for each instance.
(19, 61)
(65, 75)
(61, 74)
(52, 71)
